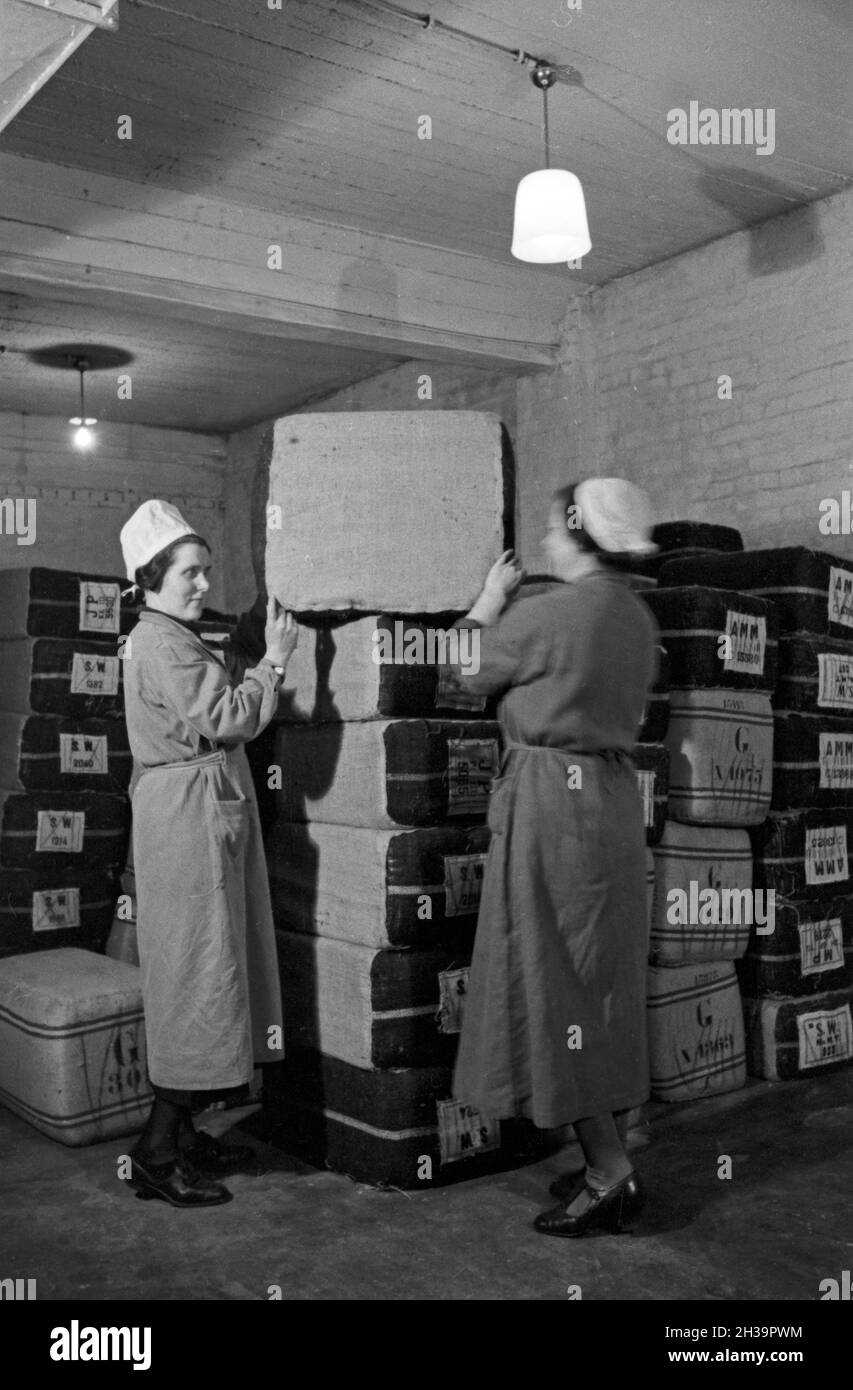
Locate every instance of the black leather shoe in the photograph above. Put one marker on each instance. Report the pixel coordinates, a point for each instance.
(174, 1183)
(614, 1211)
(567, 1186)
(211, 1158)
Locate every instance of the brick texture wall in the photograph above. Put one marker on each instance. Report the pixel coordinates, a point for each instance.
(637, 392)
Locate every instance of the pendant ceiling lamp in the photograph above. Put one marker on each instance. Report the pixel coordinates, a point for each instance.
(83, 436)
(550, 213)
(81, 358)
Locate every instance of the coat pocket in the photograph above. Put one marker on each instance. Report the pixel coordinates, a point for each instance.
(229, 815)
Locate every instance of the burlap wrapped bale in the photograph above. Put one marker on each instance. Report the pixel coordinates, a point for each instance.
(696, 1033)
(696, 535)
(42, 602)
(804, 854)
(720, 744)
(372, 1008)
(385, 773)
(61, 676)
(378, 887)
(63, 830)
(812, 761)
(377, 1126)
(799, 1037)
(49, 908)
(42, 752)
(390, 510)
(378, 667)
(694, 620)
(815, 676)
(809, 952)
(72, 1045)
(812, 589)
(692, 858)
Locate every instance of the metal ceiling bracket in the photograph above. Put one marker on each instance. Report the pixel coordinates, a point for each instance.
(103, 14)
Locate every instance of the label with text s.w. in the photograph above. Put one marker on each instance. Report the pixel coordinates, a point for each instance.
(453, 991)
(825, 1036)
(60, 832)
(56, 908)
(83, 753)
(94, 675)
(463, 883)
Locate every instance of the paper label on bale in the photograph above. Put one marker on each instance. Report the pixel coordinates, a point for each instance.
(56, 908)
(100, 606)
(463, 883)
(821, 946)
(472, 763)
(825, 1036)
(453, 990)
(94, 675)
(83, 753)
(826, 854)
(836, 762)
(60, 832)
(463, 1131)
(646, 783)
(748, 634)
(835, 681)
(840, 597)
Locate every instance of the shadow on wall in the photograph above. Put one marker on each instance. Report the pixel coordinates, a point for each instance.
(776, 243)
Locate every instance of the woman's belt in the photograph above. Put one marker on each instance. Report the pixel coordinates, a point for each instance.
(611, 754)
(219, 755)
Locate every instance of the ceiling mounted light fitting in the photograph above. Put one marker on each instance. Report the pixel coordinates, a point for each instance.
(81, 358)
(83, 436)
(550, 223)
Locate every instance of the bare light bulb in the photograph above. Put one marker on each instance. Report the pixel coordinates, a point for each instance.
(83, 436)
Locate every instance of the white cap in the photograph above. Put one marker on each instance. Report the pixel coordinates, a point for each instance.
(152, 527)
(616, 514)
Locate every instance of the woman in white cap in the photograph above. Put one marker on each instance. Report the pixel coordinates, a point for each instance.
(207, 953)
(555, 1022)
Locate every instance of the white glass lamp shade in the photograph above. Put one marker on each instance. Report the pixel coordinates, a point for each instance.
(550, 218)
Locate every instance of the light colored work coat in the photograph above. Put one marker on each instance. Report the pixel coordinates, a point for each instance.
(207, 952)
(562, 936)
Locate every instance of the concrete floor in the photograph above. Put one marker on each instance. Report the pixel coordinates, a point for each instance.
(781, 1224)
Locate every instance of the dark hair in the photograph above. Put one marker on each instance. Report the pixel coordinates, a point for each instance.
(151, 575)
(564, 497)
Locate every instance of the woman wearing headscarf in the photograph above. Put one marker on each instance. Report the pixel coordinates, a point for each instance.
(206, 942)
(555, 1028)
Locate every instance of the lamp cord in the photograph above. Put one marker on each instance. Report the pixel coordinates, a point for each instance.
(547, 143)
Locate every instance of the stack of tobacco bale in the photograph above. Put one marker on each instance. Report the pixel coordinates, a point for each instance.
(797, 977)
(64, 758)
(722, 646)
(376, 861)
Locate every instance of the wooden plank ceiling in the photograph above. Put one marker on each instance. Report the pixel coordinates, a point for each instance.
(302, 123)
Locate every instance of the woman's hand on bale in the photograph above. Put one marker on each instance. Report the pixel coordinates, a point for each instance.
(504, 577)
(281, 634)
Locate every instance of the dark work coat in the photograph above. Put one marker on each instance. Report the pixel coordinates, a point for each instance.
(562, 934)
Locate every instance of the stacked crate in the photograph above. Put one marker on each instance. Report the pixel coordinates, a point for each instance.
(722, 647)
(797, 979)
(377, 858)
(65, 763)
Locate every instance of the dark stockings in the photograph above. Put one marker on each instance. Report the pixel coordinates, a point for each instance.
(169, 1128)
